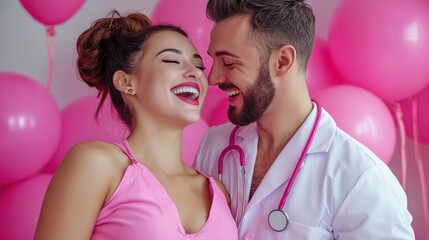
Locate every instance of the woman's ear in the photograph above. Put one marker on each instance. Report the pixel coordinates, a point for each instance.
(285, 59)
(123, 83)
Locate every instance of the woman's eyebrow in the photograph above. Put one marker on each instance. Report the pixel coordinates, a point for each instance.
(170, 50)
(195, 55)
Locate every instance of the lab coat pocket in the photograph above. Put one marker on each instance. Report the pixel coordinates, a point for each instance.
(298, 231)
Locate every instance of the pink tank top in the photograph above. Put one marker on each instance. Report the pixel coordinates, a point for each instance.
(141, 209)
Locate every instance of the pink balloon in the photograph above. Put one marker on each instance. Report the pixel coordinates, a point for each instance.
(214, 97)
(321, 72)
(192, 135)
(422, 118)
(219, 114)
(80, 124)
(52, 12)
(363, 116)
(20, 206)
(382, 46)
(30, 127)
(190, 15)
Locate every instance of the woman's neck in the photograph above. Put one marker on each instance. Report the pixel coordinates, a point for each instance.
(158, 148)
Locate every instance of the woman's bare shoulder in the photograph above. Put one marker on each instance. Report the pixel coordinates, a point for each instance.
(91, 156)
(79, 189)
(98, 152)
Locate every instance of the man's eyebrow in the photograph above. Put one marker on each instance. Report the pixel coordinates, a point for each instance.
(170, 50)
(225, 53)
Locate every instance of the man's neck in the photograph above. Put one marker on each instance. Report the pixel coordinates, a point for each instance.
(278, 125)
(275, 131)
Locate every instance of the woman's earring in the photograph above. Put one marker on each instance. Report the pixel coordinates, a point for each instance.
(129, 91)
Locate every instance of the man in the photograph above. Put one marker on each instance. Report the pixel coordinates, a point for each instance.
(338, 189)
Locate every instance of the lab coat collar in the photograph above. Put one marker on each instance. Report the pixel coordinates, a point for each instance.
(321, 142)
(281, 170)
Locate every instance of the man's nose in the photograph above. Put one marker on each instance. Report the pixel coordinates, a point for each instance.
(215, 76)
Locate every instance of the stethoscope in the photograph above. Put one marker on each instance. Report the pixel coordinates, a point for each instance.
(277, 219)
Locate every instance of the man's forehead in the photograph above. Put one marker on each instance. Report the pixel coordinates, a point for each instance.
(230, 33)
(238, 23)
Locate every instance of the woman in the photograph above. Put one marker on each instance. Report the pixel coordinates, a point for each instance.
(139, 188)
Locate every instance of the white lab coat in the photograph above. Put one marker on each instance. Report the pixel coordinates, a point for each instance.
(342, 191)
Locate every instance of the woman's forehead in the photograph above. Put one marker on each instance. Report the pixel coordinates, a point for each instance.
(169, 39)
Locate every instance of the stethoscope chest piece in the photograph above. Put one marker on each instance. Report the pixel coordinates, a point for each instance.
(278, 220)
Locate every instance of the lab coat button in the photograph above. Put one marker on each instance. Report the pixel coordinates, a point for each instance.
(249, 236)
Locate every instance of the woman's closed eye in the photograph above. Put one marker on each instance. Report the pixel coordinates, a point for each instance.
(170, 61)
(202, 68)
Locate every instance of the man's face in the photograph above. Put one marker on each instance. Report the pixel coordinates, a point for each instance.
(237, 69)
(256, 99)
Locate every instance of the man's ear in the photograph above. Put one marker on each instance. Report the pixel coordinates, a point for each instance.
(122, 83)
(285, 59)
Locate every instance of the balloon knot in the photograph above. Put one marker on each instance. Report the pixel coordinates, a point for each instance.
(50, 30)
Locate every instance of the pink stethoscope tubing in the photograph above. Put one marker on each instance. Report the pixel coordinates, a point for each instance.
(233, 146)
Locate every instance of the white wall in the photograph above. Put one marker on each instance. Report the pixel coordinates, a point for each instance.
(24, 49)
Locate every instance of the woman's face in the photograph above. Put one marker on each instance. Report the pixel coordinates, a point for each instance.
(170, 83)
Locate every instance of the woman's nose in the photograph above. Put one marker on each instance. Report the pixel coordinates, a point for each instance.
(193, 72)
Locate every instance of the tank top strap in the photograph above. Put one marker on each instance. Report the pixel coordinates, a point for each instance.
(212, 181)
(126, 148)
(201, 173)
(215, 189)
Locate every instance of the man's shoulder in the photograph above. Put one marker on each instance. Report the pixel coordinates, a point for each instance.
(216, 136)
(347, 143)
(214, 141)
(222, 130)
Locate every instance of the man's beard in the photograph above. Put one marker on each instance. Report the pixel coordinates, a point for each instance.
(256, 100)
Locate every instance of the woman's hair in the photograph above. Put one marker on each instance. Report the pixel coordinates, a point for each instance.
(115, 43)
(274, 23)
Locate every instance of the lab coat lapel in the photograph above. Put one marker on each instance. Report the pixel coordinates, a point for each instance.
(282, 168)
(247, 138)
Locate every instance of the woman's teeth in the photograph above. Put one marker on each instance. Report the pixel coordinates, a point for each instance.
(188, 92)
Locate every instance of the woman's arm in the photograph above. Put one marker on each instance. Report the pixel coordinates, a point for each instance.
(76, 193)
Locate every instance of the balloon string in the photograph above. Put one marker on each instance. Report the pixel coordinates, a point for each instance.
(50, 34)
(419, 162)
(398, 114)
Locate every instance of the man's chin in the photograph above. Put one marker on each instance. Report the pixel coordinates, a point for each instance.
(239, 120)
(233, 116)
